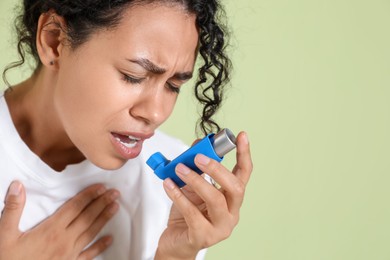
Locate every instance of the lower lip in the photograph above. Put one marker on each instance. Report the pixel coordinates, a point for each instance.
(125, 152)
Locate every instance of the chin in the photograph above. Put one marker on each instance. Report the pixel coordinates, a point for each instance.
(110, 164)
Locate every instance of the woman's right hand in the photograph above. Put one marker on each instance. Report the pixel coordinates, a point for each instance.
(63, 235)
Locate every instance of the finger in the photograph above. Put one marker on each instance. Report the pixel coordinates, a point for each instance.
(73, 207)
(215, 200)
(88, 235)
(195, 142)
(92, 211)
(96, 248)
(192, 195)
(244, 165)
(13, 208)
(233, 187)
(193, 217)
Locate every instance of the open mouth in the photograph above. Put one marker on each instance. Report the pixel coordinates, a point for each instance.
(126, 140)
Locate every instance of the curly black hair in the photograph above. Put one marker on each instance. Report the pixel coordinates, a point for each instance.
(84, 17)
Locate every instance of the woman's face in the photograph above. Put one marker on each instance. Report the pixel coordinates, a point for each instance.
(114, 90)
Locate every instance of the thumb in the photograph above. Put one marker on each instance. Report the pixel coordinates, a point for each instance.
(196, 141)
(13, 207)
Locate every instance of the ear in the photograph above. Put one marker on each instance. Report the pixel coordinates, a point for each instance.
(51, 36)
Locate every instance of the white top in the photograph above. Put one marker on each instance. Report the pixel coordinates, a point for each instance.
(144, 205)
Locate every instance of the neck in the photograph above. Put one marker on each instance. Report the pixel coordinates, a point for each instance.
(32, 108)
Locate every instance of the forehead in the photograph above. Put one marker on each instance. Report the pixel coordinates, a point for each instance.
(160, 31)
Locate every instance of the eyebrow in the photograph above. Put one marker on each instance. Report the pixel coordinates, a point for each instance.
(183, 76)
(151, 67)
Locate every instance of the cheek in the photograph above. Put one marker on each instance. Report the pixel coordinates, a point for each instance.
(83, 97)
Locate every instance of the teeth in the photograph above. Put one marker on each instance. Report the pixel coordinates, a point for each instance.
(134, 138)
(132, 144)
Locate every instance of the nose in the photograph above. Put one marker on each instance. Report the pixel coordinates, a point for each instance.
(153, 107)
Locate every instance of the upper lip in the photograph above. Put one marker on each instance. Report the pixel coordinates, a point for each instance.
(142, 136)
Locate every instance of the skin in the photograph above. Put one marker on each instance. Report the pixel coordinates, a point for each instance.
(83, 97)
(94, 72)
(65, 234)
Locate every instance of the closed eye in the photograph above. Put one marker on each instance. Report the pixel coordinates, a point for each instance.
(173, 88)
(132, 80)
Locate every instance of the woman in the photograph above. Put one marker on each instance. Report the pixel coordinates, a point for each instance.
(108, 75)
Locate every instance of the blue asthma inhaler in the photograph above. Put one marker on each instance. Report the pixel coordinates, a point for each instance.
(214, 146)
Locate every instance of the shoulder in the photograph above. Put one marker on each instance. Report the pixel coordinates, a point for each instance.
(167, 145)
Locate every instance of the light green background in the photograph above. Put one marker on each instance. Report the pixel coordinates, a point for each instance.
(311, 87)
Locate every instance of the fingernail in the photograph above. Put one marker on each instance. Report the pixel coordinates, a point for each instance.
(15, 188)
(114, 195)
(114, 208)
(181, 168)
(201, 159)
(245, 138)
(108, 241)
(101, 190)
(169, 184)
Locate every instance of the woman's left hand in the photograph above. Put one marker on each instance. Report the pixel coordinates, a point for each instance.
(203, 215)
